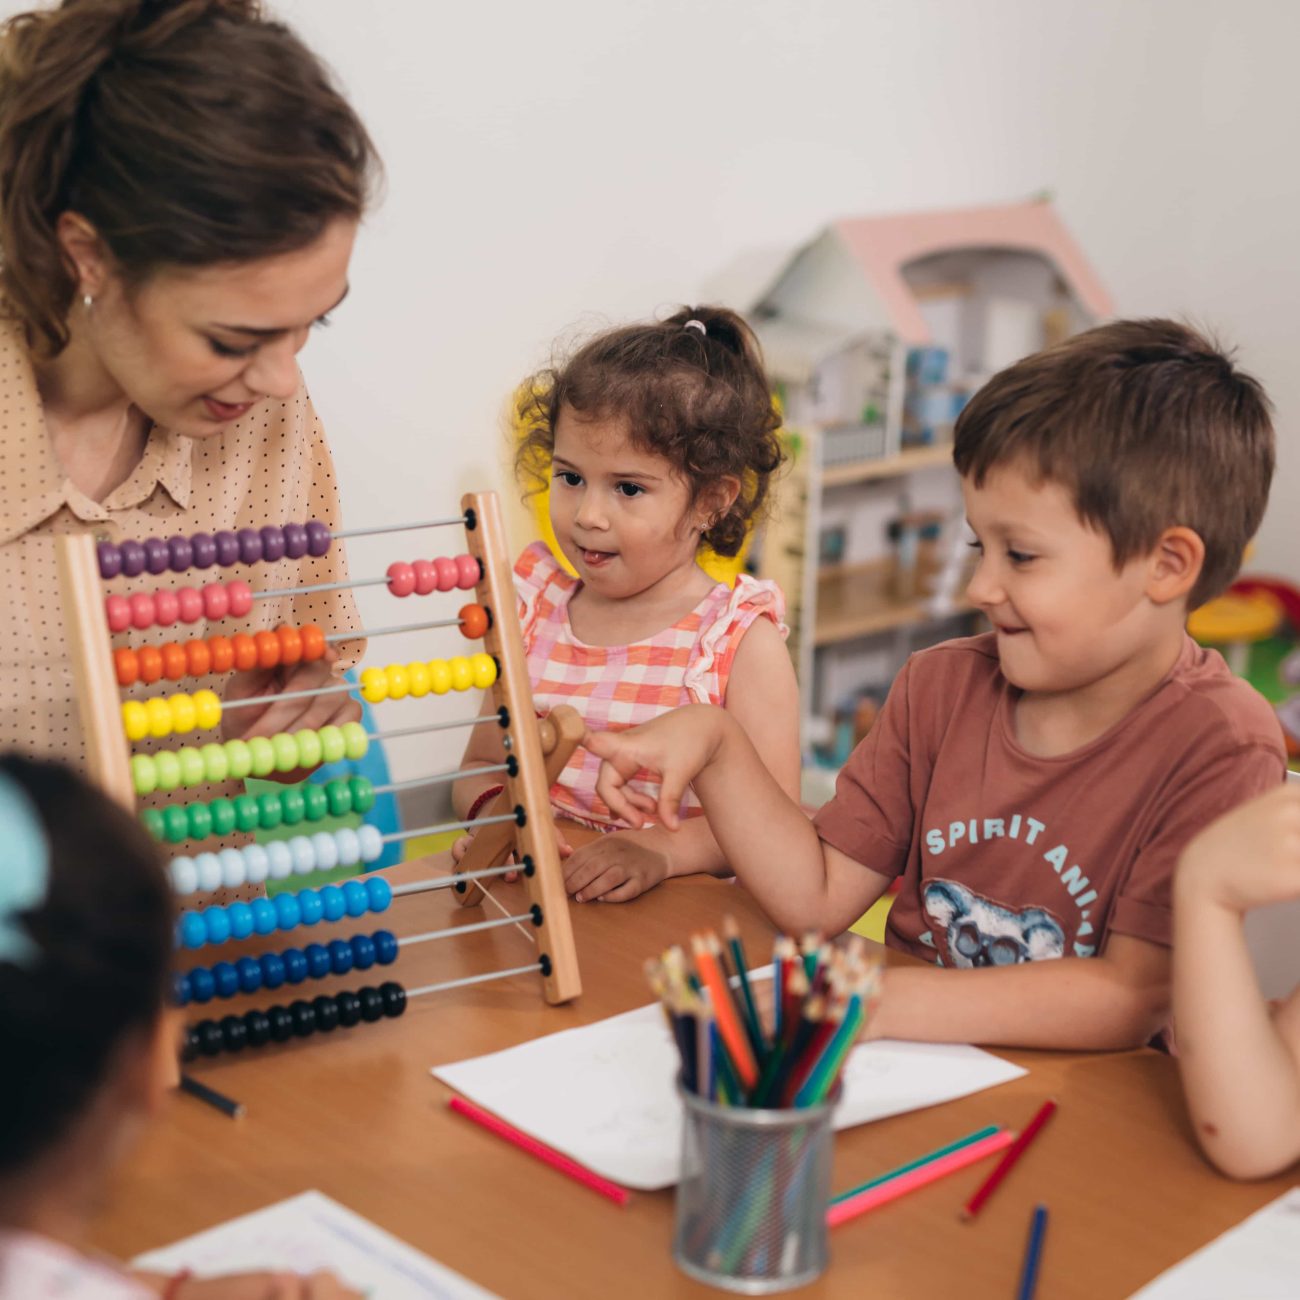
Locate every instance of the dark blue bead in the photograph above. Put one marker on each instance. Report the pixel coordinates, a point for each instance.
(227, 980)
(363, 951)
(202, 985)
(385, 947)
(318, 960)
(340, 956)
(295, 965)
(180, 990)
(273, 974)
(250, 974)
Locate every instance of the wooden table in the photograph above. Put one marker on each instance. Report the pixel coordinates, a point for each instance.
(358, 1116)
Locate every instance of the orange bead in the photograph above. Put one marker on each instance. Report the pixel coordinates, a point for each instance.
(151, 664)
(245, 651)
(290, 643)
(175, 661)
(268, 649)
(199, 657)
(313, 642)
(473, 621)
(222, 653)
(126, 665)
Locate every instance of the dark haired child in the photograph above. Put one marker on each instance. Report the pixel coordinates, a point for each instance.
(86, 944)
(657, 440)
(1032, 787)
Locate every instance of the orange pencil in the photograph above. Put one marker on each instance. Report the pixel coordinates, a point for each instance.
(724, 1010)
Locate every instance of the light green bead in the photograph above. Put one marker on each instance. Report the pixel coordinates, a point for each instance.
(238, 759)
(355, 740)
(216, 762)
(193, 771)
(144, 774)
(309, 747)
(332, 744)
(286, 752)
(168, 769)
(261, 754)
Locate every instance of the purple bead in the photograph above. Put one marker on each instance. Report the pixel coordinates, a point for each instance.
(204, 549)
(110, 560)
(295, 541)
(181, 552)
(318, 538)
(227, 548)
(250, 545)
(132, 558)
(272, 544)
(157, 556)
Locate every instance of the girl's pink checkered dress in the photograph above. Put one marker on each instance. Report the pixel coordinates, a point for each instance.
(616, 687)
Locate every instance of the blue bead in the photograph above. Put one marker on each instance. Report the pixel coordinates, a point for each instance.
(295, 965)
(287, 911)
(264, 917)
(318, 960)
(310, 906)
(331, 897)
(241, 920)
(180, 990)
(202, 985)
(340, 951)
(227, 980)
(355, 898)
(385, 947)
(272, 965)
(363, 951)
(217, 924)
(194, 934)
(379, 892)
(250, 974)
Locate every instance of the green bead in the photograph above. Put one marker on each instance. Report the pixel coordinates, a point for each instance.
(292, 805)
(286, 752)
(332, 744)
(310, 749)
(269, 811)
(247, 812)
(193, 771)
(200, 821)
(356, 740)
(153, 822)
(239, 759)
(223, 816)
(315, 802)
(144, 773)
(216, 762)
(363, 795)
(261, 754)
(340, 798)
(168, 769)
(176, 824)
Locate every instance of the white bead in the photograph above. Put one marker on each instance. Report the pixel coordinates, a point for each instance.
(348, 844)
(185, 875)
(257, 863)
(326, 851)
(372, 844)
(208, 866)
(232, 868)
(304, 856)
(279, 860)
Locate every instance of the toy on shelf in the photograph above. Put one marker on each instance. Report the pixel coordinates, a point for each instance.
(520, 825)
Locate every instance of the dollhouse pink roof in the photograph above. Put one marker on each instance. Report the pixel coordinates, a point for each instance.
(882, 246)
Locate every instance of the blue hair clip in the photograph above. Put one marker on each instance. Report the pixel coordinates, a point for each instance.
(24, 871)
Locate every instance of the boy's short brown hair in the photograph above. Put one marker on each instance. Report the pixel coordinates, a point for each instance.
(1148, 425)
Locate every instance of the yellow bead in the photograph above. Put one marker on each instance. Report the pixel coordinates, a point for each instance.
(485, 670)
(207, 707)
(160, 716)
(374, 685)
(439, 676)
(462, 675)
(135, 720)
(398, 682)
(417, 675)
(184, 714)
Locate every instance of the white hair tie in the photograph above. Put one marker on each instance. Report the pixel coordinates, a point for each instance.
(696, 325)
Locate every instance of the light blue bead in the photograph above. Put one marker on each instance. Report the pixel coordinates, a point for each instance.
(287, 911)
(355, 898)
(348, 843)
(310, 906)
(372, 843)
(304, 856)
(264, 916)
(241, 920)
(217, 924)
(379, 893)
(331, 897)
(279, 860)
(257, 863)
(232, 868)
(326, 851)
(208, 865)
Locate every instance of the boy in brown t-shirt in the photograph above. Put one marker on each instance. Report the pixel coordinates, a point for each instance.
(1033, 786)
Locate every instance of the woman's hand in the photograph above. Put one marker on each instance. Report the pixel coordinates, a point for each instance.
(616, 867)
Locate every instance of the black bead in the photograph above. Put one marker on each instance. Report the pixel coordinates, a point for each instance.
(349, 1006)
(258, 1025)
(281, 1023)
(191, 1047)
(210, 1039)
(394, 996)
(234, 1033)
(327, 1014)
(304, 1018)
(372, 1003)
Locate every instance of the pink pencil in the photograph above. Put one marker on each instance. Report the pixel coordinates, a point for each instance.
(881, 1194)
(548, 1155)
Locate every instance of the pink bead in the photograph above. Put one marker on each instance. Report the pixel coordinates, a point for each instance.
(401, 578)
(166, 608)
(189, 605)
(142, 610)
(467, 573)
(241, 598)
(216, 603)
(118, 609)
(445, 567)
(426, 577)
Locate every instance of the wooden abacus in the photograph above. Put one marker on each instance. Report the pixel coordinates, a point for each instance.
(520, 827)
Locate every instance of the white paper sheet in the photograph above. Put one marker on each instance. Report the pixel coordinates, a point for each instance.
(604, 1094)
(310, 1232)
(1259, 1259)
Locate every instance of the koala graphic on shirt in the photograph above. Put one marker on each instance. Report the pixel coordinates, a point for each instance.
(976, 931)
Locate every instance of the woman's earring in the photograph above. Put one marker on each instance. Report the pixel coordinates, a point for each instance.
(87, 301)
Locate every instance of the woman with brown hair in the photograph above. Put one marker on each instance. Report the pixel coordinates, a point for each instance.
(180, 188)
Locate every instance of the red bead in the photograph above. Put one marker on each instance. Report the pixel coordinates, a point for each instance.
(190, 605)
(401, 578)
(216, 601)
(241, 598)
(268, 649)
(313, 642)
(290, 643)
(166, 608)
(447, 572)
(426, 577)
(473, 621)
(467, 572)
(126, 664)
(142, 610)
(118, 610)
(222, 652)
(175, 662)
(150, 664)
(245, 651)
(198, 657)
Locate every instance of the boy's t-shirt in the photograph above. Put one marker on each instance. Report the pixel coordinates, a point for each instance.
(1006, 856)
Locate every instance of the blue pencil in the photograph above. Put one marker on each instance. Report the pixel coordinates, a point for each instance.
(1033, 1252)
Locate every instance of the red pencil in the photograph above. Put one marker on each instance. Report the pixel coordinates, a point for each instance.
(548, 1155)
(1014, 1152)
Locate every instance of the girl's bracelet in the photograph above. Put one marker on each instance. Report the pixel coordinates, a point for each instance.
(484, 798)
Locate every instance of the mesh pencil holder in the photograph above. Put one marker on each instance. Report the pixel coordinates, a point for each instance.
(751, 1201)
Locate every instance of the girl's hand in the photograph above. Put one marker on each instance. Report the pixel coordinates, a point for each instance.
(461, 847)
(675, 747)
(1249, 857)
(615, 868)
(262, 1286)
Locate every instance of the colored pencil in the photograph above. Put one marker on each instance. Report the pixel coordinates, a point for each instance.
(548, 1155)
(216, 1099)
(873, 1197)
(1033, 1253)
(1003, 1167)
(937, 1154)
(734, 1038)
(731, 932)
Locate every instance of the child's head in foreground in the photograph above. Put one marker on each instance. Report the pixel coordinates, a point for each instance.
(656, 439)
(86, 937)
(1113, 483)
